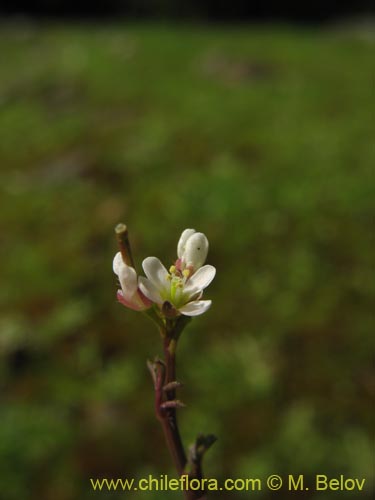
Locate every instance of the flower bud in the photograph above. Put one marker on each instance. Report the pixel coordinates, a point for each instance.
(129, 295)
(196, 249)
(182, 241)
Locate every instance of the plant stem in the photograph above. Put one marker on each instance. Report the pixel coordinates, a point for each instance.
(124, 244)
(165, 375)
(169, 421)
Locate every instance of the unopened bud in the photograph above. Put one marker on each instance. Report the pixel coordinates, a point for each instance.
(182, 241)
(196, 250)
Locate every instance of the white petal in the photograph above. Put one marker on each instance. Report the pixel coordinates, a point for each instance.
(182, 241)
(196, 250)
(117, 263)
(155, 271)
(201, 279)
(195, 308)
(149, 290)
(128, 280)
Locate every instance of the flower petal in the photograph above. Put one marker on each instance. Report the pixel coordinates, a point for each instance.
(155, 272)
(195, 308)
(182, 241)
(134, 303)
(200, 279)
(128, 280)
(150, 290)
(117, 263)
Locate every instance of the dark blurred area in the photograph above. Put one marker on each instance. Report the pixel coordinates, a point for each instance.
(208, 10)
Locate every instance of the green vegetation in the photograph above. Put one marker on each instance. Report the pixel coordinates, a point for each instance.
(262, 139)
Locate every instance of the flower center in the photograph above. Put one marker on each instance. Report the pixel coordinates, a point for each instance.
(175, 293)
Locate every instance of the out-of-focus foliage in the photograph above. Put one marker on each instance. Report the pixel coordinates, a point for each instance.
(263, 139)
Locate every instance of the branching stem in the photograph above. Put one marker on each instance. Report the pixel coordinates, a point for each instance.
(166, 404)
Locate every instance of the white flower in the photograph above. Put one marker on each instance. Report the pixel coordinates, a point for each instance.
(183, 285)
(129, 295)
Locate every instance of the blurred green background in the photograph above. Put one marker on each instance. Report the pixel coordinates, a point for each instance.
(261, 138)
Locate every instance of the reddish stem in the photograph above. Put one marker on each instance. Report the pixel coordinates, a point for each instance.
(165, 374)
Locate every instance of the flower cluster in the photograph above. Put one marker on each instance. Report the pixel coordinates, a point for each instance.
(181, 287)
